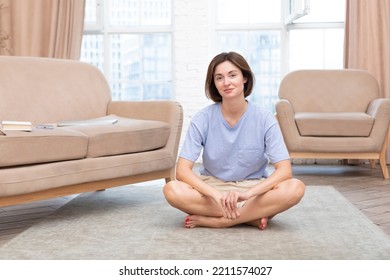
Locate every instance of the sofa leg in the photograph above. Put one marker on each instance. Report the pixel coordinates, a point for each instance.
(172, 176)
(102, 190)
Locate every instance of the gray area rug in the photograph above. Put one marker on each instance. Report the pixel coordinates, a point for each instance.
(135, 222)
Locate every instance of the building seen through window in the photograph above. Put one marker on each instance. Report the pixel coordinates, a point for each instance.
(131, 41)
(131, 46)
(259, 30)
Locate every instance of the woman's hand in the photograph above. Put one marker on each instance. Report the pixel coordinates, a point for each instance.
(229, 203)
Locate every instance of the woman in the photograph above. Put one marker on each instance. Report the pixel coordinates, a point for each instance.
(238, 139)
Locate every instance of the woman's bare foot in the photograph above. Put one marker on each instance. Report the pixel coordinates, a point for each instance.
(263, 223)
(205, 221)
(260, 223)
(192, 221)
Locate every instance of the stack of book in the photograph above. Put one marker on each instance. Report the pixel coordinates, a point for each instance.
(16, 125)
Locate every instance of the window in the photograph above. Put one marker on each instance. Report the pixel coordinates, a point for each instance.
(130, 41)
(280, 36)
(316, 40)
(254, 29)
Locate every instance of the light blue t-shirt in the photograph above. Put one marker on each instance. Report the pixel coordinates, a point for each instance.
(234, 153)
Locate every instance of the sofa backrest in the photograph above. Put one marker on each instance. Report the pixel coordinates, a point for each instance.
(43, 90)
(329, 90)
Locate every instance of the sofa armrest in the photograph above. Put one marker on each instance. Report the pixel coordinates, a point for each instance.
(379, 109)
(170, 112)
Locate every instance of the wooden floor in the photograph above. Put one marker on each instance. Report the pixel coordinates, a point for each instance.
(362, 186)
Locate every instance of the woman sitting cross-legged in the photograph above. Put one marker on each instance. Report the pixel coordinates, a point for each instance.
(238, 140)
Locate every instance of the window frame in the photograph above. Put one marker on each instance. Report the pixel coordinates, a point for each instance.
(295, 10)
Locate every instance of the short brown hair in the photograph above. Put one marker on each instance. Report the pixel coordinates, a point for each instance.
(240, 62)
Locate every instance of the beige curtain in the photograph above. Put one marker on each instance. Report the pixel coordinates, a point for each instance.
(46, 28)
(367, 41)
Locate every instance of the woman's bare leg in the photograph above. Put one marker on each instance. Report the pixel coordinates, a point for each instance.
(183, 197)
(277, 200)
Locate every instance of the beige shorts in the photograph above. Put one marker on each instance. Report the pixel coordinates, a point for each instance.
(238, 186)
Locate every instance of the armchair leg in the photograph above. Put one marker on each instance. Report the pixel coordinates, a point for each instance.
(382, 157)
(383, 164)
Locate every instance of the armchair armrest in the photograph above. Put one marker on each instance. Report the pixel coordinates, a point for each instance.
(379, 109)
(285, 116)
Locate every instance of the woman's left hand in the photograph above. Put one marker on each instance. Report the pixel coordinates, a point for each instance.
(229, 203)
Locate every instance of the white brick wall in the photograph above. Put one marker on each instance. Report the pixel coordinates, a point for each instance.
(191, 46)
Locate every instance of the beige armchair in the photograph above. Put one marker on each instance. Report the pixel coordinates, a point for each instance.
(334, 114)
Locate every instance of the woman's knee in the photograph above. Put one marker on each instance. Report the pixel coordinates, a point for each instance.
(297, 188)
(292, 190)
(169, 189)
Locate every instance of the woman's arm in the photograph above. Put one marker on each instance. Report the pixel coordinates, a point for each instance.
(185, 173)
(282, 172)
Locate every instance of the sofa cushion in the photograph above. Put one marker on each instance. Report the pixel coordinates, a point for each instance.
(334, 124)
(124, 136)
(41, 145)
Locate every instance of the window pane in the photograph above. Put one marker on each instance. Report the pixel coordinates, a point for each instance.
(155, 12)
(125, 57)
(90, 17)
(325, 11)
(262, 50)
(139, 59)
(125, 13)
(316, 49)
(248, 11)
(137, 62)
(126, 91)
(157, 91)
(92, 50)
(156, 56)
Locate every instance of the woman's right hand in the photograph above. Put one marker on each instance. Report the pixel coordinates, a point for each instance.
(228, 202)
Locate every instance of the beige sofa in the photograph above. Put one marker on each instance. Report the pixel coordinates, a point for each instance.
(334, 114)
(142, 145)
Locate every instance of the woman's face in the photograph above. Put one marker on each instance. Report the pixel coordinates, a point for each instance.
(228, 80)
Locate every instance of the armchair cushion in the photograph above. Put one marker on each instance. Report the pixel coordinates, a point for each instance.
(357, 124)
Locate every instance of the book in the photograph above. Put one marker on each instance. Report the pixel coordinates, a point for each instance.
(44, 126)
(16, 125)
(88, 122)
